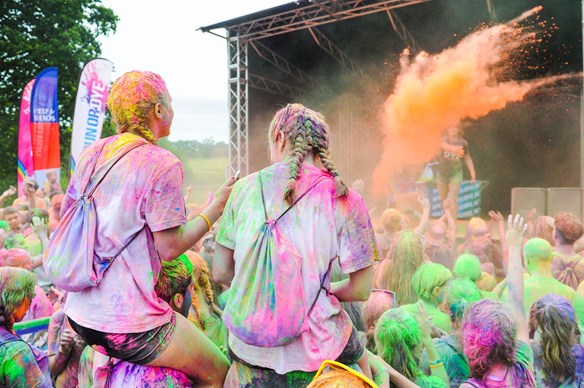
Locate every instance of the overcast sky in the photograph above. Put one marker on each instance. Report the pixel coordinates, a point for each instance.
(163, 37)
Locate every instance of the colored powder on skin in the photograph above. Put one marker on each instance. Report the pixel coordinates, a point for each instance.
(578, 303)
(537, 249)
(435, 92)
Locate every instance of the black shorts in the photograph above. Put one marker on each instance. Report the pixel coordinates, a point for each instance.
(137, 348)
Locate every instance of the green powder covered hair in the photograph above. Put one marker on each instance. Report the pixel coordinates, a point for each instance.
(427, 278)
(174, 278)
(398, 341)
(15, 285)
(459, 294)
(467, 266)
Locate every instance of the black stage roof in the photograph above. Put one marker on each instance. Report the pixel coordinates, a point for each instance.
(534, 143)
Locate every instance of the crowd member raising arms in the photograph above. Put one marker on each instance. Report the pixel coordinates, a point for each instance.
(495, 335)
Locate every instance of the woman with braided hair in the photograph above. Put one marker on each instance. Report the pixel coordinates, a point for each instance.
(142, 220)
(20, 365)
(329, 221)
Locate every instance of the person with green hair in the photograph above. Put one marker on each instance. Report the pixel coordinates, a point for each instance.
(400, 339)
(428, 284)
(539, 256)
(468, 266)
(20, 364)
(458, 295)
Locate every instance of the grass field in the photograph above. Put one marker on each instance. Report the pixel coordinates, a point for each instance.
(204, 175)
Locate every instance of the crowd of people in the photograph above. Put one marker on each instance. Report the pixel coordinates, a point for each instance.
(282, 278)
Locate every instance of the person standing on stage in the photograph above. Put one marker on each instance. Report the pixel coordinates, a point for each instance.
(449, 177)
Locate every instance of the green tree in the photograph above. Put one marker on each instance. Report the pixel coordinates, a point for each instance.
(35, 34)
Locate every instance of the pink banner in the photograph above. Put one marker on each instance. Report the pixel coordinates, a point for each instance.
(25, 168)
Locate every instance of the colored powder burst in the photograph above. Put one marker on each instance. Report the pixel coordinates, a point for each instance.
(435, 92)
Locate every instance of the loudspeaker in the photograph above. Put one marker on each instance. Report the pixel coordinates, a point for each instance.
(523, 199)
(564, 200)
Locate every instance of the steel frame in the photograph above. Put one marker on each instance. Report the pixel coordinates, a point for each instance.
(238, 104)
(317, 13)
(279, 62)
(241, 36)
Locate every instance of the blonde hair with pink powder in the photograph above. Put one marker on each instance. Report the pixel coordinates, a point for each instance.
(132, 97)
(306, 131)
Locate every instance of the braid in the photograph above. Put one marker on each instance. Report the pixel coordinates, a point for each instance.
(308, 132)
(142, 130)
(195, 303)
(321, 145)
(210, 297)
(295, 162)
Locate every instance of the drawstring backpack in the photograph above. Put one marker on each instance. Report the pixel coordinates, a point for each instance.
(70, 260)
(267, 308)
(567, 275)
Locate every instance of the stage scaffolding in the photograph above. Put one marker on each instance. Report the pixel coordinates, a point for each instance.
(246, 32)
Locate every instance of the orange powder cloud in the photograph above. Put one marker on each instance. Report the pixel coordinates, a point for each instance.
(435, 92)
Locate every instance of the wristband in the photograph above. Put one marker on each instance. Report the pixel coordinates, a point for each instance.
(437, 365)
(206, 220)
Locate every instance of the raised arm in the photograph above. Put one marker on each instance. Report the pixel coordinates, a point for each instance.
(436, 364)
(11, 191)
(425, 220)
(497, 217)
(516, 230)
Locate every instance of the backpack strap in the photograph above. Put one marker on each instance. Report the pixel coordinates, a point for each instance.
(572, 264)
(90, 194)
(282, 215)
(85, 180)
(293, 203)
(111, 259)
(330, 266)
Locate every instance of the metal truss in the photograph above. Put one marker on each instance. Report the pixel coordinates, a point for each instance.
(240, 36)
(402, 32)
(330, 48)
(267, 85)
(279, 62)
(238, 104)
(317, 13)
